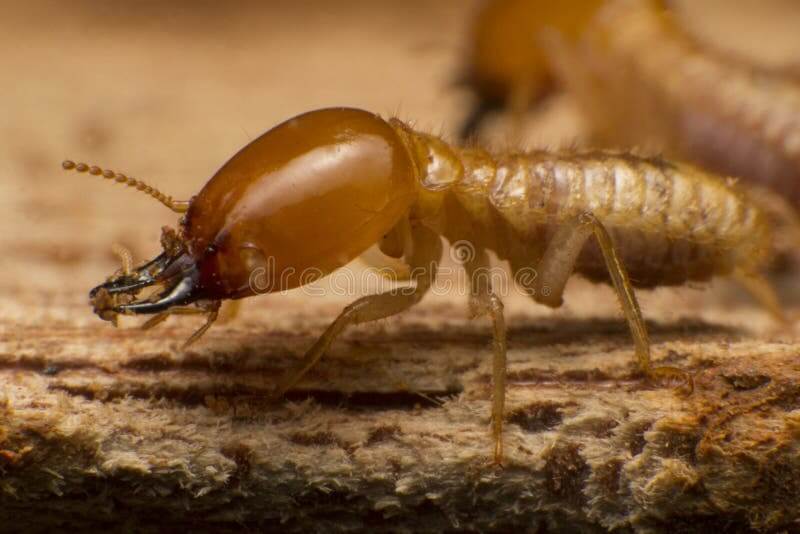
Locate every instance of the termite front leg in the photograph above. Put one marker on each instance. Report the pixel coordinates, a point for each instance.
(556, 267)
(422, 253)
(229, 312)
(210, 309)
(483, 301)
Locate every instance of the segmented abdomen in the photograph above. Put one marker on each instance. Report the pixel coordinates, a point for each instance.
(671, 222)
(642, 80)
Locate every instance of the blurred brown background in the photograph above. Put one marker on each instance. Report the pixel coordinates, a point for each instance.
(167, 91)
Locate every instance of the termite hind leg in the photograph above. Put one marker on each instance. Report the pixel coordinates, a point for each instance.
(483, 301)
(426, 250)
(557, 265)
(763, 292)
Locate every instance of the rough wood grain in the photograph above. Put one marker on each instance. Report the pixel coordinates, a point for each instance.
(118, 430)
(101, 425)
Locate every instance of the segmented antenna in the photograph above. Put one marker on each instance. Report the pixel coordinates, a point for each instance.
(178, 206)
(125, 257)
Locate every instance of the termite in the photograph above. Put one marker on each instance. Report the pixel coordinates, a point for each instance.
(506, 66)
(319, 189)
(641, 79)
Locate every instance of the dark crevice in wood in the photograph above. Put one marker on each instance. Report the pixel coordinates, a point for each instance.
(254, 398)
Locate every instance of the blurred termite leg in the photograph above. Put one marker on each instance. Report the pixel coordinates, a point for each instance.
(161, 317)
(477, 116)
(570, 67)
(483, 301)
(425, 252)
(557, 265)
(762, 291)
(212, 311)
(155, 320)
(785, 222)
(229, 312)
(522, 97)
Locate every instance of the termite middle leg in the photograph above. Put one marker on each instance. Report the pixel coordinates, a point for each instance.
(483, 301)
(558, 263)
(422, 254)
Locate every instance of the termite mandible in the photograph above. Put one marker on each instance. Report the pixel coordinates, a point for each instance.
(321, 188)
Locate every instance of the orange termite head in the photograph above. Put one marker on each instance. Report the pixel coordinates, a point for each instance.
(298, 202)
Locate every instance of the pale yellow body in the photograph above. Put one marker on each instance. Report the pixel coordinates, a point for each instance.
(671, 223)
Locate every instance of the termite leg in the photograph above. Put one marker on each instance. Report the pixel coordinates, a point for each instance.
(212, 313)
(483, 301)
(522, 97)
(155, 320)
(161, 317)
(425, 251)
(762, 291)
(483, 108)
(229, 312)
(556, 267)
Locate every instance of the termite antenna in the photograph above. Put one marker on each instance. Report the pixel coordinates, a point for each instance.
(125, 257)
(178, 206)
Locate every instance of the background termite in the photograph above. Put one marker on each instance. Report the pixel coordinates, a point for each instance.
(321, 188)
(505, 66)
(642, 79)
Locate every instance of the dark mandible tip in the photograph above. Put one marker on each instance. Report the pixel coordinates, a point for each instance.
(179, 295)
